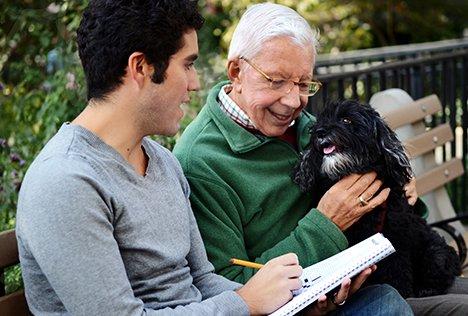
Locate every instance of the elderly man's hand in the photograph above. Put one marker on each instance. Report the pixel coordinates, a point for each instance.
(348, 288)
(352, 197)
(410, 191)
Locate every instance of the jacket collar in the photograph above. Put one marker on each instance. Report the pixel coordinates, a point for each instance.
(241, 140)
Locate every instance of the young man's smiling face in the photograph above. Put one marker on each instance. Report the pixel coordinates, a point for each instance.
(160, 109)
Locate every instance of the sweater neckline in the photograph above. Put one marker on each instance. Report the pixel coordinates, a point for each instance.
(105, 149)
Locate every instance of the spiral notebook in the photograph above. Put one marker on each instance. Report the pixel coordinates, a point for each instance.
(324, 276)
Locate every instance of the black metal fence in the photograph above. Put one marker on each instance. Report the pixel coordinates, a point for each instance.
(443, 72)
(359, 59)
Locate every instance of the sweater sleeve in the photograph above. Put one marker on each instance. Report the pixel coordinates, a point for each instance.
(204, 278)
(66, 228)
(217, 212)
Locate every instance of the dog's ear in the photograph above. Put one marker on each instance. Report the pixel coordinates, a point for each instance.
(397, 163)
(307, 171)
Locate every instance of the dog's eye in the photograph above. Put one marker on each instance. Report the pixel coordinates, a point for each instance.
(346, 120)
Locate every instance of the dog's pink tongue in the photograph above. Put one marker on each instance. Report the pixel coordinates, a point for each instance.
(329, 150)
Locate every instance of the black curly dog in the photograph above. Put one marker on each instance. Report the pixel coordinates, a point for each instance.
(350, 137)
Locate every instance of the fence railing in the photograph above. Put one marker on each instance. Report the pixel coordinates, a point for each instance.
(364, 58)
(444, 73)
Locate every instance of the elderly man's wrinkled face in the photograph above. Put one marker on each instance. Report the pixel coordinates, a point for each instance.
(272, 111)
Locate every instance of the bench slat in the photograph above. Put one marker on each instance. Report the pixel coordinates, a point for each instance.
(429, 140)
(412, 112)
(439, 176)
(14, 304)
(9, 249)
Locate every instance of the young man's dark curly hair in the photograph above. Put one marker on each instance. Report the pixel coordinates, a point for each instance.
(110, 31)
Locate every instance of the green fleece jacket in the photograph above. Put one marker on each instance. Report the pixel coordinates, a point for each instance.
(244, 200)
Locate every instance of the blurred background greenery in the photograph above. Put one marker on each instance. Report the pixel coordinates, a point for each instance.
(41, 81)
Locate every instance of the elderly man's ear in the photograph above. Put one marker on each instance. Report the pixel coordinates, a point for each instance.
(234, 74)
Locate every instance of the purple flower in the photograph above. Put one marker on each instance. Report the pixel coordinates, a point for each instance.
(3, 143)
(14, 157)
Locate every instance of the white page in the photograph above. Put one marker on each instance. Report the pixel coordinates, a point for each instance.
(322, 277)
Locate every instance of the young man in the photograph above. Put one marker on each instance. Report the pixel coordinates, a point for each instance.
(239, 152)
(104, 223)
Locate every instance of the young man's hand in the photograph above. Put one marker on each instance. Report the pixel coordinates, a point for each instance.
(270, 288)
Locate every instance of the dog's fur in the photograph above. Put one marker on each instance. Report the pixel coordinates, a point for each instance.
(423, 264)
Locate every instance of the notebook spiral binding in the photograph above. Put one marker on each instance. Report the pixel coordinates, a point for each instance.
(327, 284)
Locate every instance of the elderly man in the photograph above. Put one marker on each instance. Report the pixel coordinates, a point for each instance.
(238, 154)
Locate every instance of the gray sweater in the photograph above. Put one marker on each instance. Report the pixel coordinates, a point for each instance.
(96, 238)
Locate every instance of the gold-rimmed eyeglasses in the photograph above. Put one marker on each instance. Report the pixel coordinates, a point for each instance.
(306, 88)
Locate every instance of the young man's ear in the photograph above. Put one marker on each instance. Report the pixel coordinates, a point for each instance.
(138, 70)
(234, 74)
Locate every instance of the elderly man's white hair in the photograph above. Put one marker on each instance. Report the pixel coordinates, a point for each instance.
(265, 21)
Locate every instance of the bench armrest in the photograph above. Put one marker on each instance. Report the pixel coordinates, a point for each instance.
(454, 233)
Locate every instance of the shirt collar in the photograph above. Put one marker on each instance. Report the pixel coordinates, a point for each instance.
(231, 109)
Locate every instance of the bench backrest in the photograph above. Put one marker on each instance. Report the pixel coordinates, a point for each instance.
(406, 117)
(13, 303)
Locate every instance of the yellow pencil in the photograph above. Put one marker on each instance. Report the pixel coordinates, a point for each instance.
(244, 263)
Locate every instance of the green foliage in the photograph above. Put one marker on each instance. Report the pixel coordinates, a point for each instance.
(13, 279)
(349, 24)
(11, 171)
(42, 86)
(393, 22)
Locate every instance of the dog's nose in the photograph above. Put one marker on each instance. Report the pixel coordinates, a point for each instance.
(324, 142)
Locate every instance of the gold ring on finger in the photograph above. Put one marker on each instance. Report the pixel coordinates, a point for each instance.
(362, 201)
(334, 302)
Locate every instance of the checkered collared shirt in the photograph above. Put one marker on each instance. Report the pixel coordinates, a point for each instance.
(233, 110)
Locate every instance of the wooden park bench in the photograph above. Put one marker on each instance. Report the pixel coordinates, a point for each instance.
(13, 304)
(406, 117)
